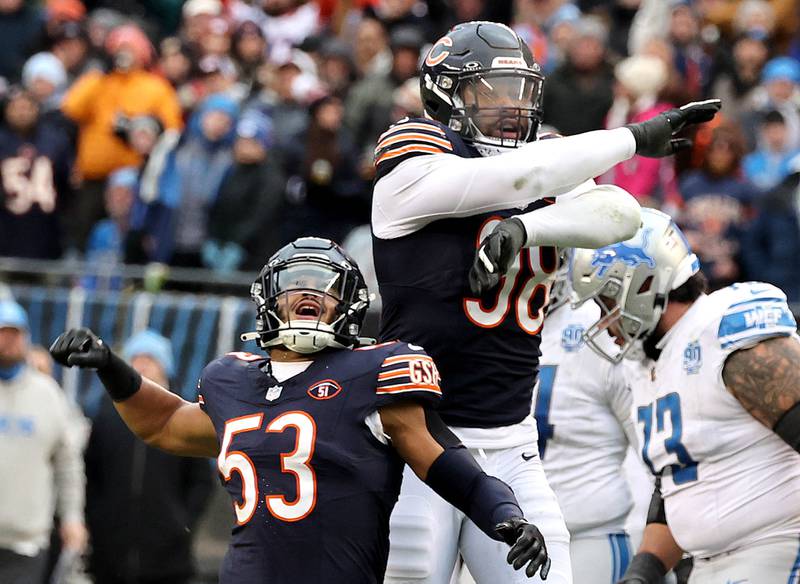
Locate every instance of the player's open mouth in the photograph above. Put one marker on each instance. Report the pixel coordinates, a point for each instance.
(307, 308)
(507, 129)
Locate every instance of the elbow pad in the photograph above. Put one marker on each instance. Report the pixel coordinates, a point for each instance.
(788, 427)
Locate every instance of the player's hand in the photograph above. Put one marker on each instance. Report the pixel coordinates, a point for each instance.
(495, 254)
(527, 546)
(655, 137)
(80, 347)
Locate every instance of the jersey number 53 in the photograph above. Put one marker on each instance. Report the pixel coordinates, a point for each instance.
(526, 288)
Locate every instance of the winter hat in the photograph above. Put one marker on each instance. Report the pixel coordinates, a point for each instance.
(44, 66)
(642, 74)
(152, 344)
(256, 126)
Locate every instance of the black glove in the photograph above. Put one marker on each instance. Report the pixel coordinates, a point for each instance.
(495, 254)
(644, 568)
(80, 347)
(654, 137)
(527, 546)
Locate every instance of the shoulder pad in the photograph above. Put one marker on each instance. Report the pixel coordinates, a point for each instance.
(408, 138)
(755, 311)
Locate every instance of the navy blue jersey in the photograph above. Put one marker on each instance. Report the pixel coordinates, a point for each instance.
(487, 349)
(312, 483)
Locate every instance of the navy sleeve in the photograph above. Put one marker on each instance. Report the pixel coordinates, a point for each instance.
(407, 372)
(409, 138)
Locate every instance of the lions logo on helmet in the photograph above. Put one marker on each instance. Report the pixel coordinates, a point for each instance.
(318, 274)
(481, 80)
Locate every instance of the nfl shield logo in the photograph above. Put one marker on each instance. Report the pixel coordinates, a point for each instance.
(692, 358)
(274, 392)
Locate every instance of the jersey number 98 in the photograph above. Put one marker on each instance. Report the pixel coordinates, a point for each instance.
(526, 287)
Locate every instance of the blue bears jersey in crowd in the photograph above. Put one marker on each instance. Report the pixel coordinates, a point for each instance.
(312, 483)
(486, 349)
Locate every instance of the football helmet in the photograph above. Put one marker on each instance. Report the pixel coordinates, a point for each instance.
(481, 80)
(323, 274)
(631, 282)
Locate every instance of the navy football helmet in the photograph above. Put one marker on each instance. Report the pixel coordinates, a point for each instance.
(323, 274)
(481, 80)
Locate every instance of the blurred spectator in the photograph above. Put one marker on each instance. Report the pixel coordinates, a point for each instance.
(70, 44)
(197, 14)
(286, 24)
(717, 206)
(216, 38)
(371, 48)
(337, 69)
(639, 80)
(249, 52)
(41, 445)
(105, 246)
(691, 59)
(396, 14)
(36, 160)
(578, 95)
(771, 247)
(333, 194)
(174, 61)
(20, 34)
(142, 503)
(369, 103)
(780, 91)
(769, 164)
(406, 102)
(45, 77)
(39, 358)
(99, 104)
(734, 15)
(738, 80)
(216, 75)
(538, 23)
(99, 24)
(175, 224)
(256, 182)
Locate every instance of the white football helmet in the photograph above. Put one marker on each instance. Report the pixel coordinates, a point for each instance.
(631, 281)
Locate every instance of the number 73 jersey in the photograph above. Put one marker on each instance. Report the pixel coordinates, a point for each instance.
(312, 477)
(727, 480)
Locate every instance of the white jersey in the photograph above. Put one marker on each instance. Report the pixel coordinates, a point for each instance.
(582, 410)
(728, 481)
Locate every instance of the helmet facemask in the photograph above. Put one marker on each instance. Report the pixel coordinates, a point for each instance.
(307, 305)
(497, 109)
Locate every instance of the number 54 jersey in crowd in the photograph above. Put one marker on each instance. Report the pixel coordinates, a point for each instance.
(311, 475)
(728, 481)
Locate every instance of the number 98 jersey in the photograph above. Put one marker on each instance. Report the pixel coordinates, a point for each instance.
(487, 348)
(312, 477)
(727, 480)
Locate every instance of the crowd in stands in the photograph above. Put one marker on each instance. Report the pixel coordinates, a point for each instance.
(205, 133)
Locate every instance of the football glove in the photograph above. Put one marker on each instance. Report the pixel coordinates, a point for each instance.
(655, 137)
(527, 546)
(495, 254)
(80, 347)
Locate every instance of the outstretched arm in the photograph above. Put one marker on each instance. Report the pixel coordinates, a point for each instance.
(766, 381)
(156, 415)
(438, 458)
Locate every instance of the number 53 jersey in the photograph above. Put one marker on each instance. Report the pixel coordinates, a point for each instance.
(728, 481)
(312, 477)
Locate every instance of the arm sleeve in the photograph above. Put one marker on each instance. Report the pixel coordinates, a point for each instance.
(68, 467)
(439, 185)
(589, 216)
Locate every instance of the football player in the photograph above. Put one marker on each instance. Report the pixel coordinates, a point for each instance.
(443, 184)
(310, 440)
(582, 411)
(715, 381)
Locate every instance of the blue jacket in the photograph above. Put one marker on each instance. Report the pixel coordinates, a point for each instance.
(771, 250)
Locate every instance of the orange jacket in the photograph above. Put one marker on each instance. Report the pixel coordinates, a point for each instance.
(94, 102)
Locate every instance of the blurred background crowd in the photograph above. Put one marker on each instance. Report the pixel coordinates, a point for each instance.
(194, 137)
(206, 133)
